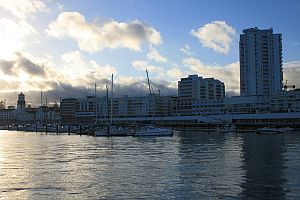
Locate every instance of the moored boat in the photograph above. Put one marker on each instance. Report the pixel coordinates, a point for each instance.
(274, 130)
(153, 131)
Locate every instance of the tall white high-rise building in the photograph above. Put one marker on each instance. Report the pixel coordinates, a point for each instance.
(260, 62)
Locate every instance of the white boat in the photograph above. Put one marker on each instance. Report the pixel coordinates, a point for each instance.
(275, 130)
(153, 131)
(109, 129)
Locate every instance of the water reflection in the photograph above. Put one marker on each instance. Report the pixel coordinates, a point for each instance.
(210, 166)
(189, 165)
(264, 164)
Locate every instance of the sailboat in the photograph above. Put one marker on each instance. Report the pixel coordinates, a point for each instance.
(109, 129)
(151, 130)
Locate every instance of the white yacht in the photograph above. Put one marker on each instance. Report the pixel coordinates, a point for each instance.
(153, 131)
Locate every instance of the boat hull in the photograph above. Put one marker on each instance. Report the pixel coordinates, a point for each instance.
(154, 132)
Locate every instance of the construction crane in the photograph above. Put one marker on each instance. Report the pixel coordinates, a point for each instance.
(286, 86)
(148, 82)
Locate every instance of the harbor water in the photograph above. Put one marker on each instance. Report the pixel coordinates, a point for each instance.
(189, 165)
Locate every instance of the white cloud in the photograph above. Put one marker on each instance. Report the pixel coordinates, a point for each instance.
(23, 8)
(229, 74)
(12, 35)
(216, 35)
(142, 65)
(175, 73)
(78, 71)
(291, 71)
(92, 37)
(186, 50)
(28, 73)
(156, 56)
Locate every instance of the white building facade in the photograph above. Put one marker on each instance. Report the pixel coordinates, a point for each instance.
(260, 62)
(199, 95)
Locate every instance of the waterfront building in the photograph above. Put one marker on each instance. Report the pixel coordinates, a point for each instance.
(199, 95)
(260, 62)
(68, 108)
(85, 108)
(285, 101)
(279, 102)
(90, 109)
(5, 115)
(247, 104)
(21, 102)
(22, 116)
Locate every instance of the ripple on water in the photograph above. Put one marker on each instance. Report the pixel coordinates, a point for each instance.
(189, 165)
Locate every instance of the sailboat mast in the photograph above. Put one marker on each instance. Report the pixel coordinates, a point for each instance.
(41, 107)
(41, 98)
(107, 109)
(96, 109)
(111, 100)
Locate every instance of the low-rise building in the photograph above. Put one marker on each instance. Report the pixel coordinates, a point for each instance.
(5, 115)
(68, 108)
(280, 102)
(199, 95)
(285, 101)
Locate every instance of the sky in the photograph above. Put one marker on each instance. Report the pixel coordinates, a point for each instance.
(65, 47)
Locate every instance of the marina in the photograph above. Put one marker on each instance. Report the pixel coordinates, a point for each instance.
(132, 99)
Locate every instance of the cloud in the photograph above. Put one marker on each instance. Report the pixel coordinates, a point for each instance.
(291, 71)
(229, 74)
(77, 70)
(92, 37)
(23, 8)
(29, 67)
(25, 74)
(216, 35)
(6, 67)
(156, 56)
(136, 87)
(186, 50)
(20, 66)
(142, 65)
(175, 73)
(12, 36)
